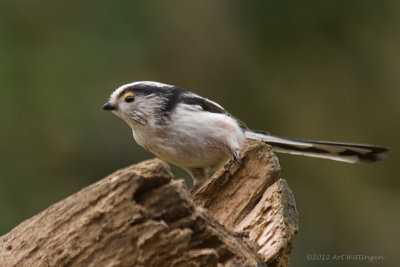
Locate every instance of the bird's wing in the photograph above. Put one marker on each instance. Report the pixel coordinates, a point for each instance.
(208, 106)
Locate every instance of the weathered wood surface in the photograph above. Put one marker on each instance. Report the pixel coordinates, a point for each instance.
(140, 216)
(253, 199)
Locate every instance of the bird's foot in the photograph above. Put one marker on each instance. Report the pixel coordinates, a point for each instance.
(236, 158)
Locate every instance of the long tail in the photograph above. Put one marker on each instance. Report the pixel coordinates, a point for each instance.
(346, 152)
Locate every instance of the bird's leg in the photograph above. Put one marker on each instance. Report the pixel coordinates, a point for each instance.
(236, 157)
(199, 176)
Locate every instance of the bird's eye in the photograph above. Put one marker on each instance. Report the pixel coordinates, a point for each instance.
(129, 98)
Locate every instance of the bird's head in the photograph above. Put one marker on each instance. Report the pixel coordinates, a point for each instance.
(142, 103)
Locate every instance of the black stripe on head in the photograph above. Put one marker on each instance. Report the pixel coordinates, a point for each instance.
(170, 94)
(147, 89)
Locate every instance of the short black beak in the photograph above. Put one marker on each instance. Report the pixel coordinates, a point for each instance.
(108, 106)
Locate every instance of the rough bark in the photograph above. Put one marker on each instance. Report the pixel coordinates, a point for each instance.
(140, 216)
(252, 199)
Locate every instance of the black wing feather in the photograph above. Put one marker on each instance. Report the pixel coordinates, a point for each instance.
(204, 103)
(209, 106)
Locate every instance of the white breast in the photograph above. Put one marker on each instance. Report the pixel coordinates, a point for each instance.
(193, 138)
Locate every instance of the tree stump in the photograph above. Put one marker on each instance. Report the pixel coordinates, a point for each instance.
(253, 199)
(140, 216)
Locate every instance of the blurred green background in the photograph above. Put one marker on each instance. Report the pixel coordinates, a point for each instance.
(308, 69)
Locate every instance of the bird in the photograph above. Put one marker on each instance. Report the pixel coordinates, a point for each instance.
(199, 135)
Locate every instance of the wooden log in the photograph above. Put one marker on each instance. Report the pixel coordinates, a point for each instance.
(140, 216)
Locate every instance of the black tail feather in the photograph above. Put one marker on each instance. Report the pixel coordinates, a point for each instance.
(347, 152)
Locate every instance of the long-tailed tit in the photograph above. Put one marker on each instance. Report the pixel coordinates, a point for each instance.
(199, 135)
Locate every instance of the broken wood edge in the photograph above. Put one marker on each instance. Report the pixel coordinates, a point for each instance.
(252, 199)
(273, 223)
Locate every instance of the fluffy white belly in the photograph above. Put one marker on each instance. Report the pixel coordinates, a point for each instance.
(194, 139)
